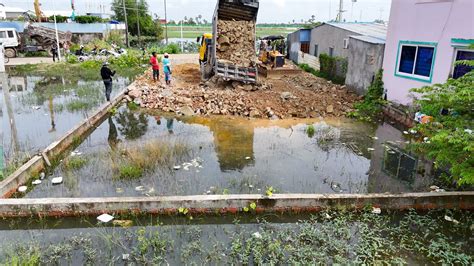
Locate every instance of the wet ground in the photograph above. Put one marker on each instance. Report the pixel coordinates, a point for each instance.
(222, 155)
(440, 237)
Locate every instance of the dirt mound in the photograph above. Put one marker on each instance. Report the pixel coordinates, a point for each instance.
(302, 95)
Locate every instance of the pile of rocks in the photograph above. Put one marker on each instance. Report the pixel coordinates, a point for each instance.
(236, 42)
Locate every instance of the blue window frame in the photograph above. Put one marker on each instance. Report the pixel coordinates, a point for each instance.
(415, 60)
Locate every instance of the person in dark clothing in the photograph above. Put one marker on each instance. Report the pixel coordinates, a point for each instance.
(54, 51)
(107, 75)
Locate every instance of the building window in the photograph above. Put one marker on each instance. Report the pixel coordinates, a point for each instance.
(316, 50)
(460, 70)
(416, 60)
(3, 34)
(10, 34)
(331, 51)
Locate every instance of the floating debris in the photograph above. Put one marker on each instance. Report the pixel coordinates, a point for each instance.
(336, 187)
(370, 149)
(105, 218)
(123, 223)
(257, 235)
(76, 153)
(450, 219)
(22, 189)
(140, 188)
(125, 256)
(375, 138)
(35, 107)
(248, 158)
(57, 180)
(405, 132)
(177, 167)
(327, 216)
(119, 190)
(36, 182)
(250, 186)
(412, 131)
(42, 175)
(376, 210)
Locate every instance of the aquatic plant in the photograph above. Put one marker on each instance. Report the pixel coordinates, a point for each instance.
(310, 131)
(128, 171)
(136, 160)
(74, 163)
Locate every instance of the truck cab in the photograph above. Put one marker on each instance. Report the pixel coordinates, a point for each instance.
(10, 40)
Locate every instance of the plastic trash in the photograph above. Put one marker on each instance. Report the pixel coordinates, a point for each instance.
(370, 149)
(177, 167)
(22, 189)
(57, 180)
(450, 219)
(257, 235)
(36, 182)
(376, 210)
(247, 158)
(125, 256)
(140, 188)
(105, 218)
(42, 175)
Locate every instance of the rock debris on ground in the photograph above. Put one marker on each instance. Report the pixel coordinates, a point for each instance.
(302, 95)
(236, 42)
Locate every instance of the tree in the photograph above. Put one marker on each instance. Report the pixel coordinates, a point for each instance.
(148, 26)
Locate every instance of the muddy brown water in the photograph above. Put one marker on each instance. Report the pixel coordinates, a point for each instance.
(236, 156)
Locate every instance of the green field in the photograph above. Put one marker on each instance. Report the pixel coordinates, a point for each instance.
(195, 31)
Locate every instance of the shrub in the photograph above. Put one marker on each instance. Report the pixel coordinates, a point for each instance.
(88, 19)
(59, 19)
(72, 59)
(450, 140)
(334, 68)
(130, 172)
(373, 100)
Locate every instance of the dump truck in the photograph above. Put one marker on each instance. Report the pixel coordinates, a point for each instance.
(230, 51)
(34, 38)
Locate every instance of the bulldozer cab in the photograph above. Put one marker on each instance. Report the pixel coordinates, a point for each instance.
(204, 41)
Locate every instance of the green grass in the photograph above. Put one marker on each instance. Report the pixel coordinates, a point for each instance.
(74, 163)
(195, 31)
(130, 171)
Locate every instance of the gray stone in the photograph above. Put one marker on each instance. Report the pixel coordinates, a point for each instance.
(186, 111)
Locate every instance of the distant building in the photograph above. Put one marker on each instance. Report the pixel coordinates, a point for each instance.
(425, 39)
(298, 42)
(10, 13)
(362, 44)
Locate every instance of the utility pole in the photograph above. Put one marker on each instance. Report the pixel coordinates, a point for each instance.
(126, 24)
(138, 25)
(340, 11)
(57, 35)
(166, 25)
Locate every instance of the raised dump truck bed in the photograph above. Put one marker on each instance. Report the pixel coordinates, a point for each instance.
(234, 36)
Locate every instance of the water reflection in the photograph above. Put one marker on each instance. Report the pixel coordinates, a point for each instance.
(113, 135)
(233, 142)
(133, 125)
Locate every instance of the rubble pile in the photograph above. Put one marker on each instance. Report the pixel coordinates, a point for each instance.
(303, 96)
(236, 42)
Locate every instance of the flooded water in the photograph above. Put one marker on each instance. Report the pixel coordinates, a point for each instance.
(232, 155)
(327, 238)
(37, 110)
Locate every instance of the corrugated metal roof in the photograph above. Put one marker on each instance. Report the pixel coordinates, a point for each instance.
(368, 39)
(374, 30)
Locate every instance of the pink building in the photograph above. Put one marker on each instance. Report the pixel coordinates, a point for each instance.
(425, 38)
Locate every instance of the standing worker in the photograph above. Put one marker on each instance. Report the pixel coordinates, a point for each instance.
(167, 68)
(107, 75)
(54, 51)
(155, 66)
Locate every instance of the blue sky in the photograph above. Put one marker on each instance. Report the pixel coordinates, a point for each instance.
(270, 10)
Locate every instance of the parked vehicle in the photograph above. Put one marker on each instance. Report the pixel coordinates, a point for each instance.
(34, 39)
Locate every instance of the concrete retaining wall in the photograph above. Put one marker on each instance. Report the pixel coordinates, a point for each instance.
(281, 203)
(312, 61)
(53, 152)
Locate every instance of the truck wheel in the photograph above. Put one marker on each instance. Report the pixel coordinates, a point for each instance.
(10, 53)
